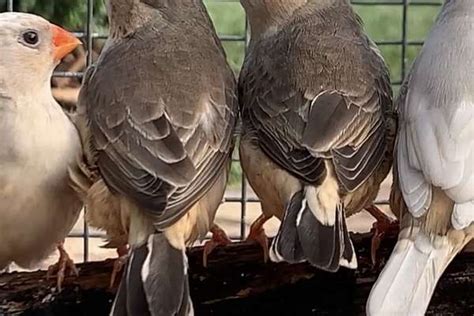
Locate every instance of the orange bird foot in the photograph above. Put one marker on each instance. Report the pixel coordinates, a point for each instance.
(383, 226)
(119, 263)
(63, 267)
(257, 234)
(219, 238)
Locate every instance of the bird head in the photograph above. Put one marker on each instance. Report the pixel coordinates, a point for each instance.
(31, 46)
(126, 16)
(265, 16)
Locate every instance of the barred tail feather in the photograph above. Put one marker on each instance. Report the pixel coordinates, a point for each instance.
(303, 237)
(155, 282)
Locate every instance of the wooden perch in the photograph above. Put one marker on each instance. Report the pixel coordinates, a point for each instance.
(237, 282)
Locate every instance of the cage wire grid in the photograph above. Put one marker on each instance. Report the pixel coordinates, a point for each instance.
(88, 36)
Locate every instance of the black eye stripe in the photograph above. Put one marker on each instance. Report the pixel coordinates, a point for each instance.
(31, 37)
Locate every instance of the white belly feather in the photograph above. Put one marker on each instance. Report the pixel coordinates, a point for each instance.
(38, 208)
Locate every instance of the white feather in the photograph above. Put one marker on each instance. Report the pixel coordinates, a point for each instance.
(300, 212)
(146, 264)
(435, 148)
(436, 138)
(409, 278)
(38, 146)
(37, 205)
(463, 215)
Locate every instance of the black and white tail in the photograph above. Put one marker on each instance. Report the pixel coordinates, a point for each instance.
(304, 237)
(155, 281)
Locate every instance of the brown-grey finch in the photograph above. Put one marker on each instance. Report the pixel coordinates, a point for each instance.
(318, 127)
(38, 206)
(434, 167)
(157, 115)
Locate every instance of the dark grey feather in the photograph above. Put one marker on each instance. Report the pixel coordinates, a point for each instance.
(137, 304)
(302, 237)
(166, 287)
(286, 243)
(130, 299)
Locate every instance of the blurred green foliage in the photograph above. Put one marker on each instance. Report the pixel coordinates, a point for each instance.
(68, 13)
(382, 23)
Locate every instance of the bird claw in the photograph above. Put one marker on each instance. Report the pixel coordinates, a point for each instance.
(60, 268)
(219, 238)
(258, 235)
(382, 227)
(375, 244)
(119, 263)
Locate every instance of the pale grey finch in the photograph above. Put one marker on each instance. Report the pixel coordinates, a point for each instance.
(38, 206)
(434, 174)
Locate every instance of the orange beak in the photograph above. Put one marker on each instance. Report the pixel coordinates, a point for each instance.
(63, 42)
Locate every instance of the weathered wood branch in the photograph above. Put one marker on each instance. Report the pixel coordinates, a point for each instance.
(237, 282)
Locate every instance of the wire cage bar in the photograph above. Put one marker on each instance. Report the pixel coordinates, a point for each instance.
(88, 35)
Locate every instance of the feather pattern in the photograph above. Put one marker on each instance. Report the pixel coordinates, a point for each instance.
(316, 107)
(303, 110)
(434, 166)
(162, 151)
(437, 134)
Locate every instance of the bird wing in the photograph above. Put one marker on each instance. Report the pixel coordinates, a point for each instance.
(301, 120)
(160, 145)
(436, 141)
(436, 149)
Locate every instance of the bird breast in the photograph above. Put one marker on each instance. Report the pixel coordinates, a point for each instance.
(35, 193)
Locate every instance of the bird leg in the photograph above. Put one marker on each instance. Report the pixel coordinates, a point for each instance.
(60, 268)
(219, 238)
(257, 234)
(383, 226)
(119, 263)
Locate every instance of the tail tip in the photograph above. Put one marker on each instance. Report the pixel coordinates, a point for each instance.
(349, 264)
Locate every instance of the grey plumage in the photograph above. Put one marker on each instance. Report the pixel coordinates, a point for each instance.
(315, 100)
(433, 188)
(157, 115)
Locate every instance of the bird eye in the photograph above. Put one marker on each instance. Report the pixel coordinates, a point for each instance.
(31, 37)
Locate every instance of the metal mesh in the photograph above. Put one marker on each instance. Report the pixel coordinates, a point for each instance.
(88, 35)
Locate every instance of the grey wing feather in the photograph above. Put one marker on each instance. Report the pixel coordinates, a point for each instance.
(272, 113)
(297, 132)
(139, 158)
(151, 145)
(353, 134)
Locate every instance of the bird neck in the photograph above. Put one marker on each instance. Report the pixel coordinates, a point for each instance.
(460, 9)
(267, 16)
(22, 84)
(125, 16)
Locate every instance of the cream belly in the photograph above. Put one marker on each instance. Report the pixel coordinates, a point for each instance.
(124, 222)
(38, 207)
(33, 220)
(273, 185)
